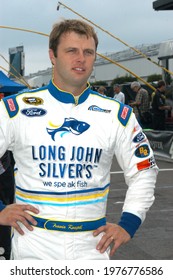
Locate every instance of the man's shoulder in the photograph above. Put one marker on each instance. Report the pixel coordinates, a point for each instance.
(143, 91)
(158, 92)
(27, 97)
(113, 107)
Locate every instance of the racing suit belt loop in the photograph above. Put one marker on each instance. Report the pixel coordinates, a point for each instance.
(69, 226)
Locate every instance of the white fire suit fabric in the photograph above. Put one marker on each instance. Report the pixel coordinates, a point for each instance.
(63, 149)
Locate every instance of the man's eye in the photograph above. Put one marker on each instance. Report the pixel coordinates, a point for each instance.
(71, 50)
(89, 52)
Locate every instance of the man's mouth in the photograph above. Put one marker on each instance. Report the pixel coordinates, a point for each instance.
(78, 69)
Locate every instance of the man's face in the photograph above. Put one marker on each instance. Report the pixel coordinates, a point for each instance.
(117, 89)
(135, 89)
(163, 88)
(74, 62)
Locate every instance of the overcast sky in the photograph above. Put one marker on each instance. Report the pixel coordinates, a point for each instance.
(132, 21)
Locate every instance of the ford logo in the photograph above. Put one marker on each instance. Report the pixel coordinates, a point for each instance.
(34, 112)
(139, 137)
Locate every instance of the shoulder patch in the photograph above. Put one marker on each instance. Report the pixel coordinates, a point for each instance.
(11, 105)
(31, 100)
(142, 151)
(124, 113)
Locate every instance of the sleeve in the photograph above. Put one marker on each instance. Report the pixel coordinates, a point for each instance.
(140, 171)
(6, 130)
(160, 102)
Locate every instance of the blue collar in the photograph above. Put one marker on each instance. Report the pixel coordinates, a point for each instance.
(67, 97)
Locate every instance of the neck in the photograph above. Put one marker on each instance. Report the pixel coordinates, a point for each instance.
(75, 90)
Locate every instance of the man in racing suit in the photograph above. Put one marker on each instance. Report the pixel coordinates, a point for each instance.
(63, 138)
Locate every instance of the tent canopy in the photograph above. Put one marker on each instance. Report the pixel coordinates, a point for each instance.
(8, 85)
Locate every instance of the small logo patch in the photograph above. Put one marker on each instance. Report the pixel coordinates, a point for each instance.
(34, 112)
(148, 163)
(142, 151)
(98, 109)
(139, 137)
(33, 100)
(124, 113)
(11, 105)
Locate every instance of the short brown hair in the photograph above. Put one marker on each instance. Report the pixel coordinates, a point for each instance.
(161, 83)
(67, 26)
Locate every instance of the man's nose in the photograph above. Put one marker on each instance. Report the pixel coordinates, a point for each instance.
(80, 56)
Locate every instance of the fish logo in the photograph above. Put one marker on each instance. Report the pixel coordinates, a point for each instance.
(70, 125)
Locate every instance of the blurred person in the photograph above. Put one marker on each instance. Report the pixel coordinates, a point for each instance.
(63, 138)
(159, 106)
(102, 90)
(118, 94)
(141, 104)
(6, 197)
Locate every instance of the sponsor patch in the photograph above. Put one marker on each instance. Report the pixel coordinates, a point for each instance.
(139, 137)
(11, 105)
(98, 109)
(148, 163)
(33, 100)
(152, 161)
(34, 112)
(142, 151)
(124, 112)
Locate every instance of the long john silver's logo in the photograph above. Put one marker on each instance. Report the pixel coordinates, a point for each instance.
(70, 125)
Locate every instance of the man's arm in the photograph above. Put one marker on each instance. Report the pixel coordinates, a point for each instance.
(165, 107)
(135, 157)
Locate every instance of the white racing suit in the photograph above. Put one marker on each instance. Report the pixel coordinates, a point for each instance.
(63, 149)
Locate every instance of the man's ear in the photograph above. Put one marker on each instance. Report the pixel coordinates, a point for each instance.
(51, 56)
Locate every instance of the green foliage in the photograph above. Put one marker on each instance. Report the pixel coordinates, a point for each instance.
(154, 78)
(99, 83)
(123, 80)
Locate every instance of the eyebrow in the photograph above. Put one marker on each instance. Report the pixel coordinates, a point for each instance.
(74, 48)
